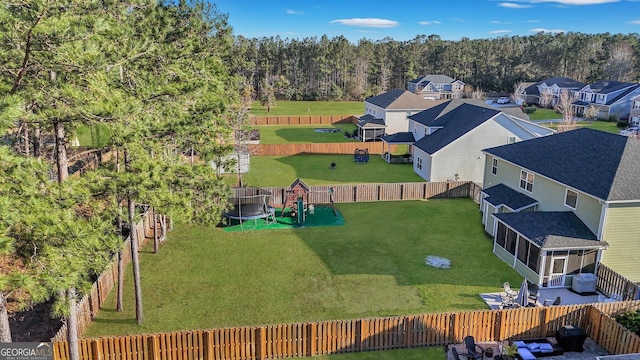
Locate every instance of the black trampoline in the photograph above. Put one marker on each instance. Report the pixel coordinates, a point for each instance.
(249, 211)
(251, 207)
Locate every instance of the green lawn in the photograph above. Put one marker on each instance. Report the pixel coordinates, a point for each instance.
(298, 134)
(284, 108)
(314, 170)
(93, 136)
(374, 265)
(606, 126)
(544, 114)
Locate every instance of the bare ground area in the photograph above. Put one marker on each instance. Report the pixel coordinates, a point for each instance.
(34, 324)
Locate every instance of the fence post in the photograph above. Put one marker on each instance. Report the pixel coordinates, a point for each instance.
(313, 341)
(96, 349)
(261, 343)
(154, 347)
(207, 340)
(364, 335)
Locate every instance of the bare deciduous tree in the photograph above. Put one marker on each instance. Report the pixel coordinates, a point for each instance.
(546, 99)
(620, 64)
(478, 94)
(565, 107)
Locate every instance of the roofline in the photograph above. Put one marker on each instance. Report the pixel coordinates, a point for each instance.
(517, 120)
(546, 177)
(463, 135)
(542, 247)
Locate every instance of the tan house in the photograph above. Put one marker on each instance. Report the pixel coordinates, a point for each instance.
(558, 205)
(436, 87)
(387, 113)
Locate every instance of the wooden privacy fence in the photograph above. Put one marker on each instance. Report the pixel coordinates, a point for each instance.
(320, 194)
(610, 282)
(89, 305)
(303, 120)
(348, 148)
(342, 336)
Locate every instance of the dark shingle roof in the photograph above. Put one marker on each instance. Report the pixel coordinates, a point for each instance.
(601, 164)
(399, 99)
(401, 137)
(605, 87)
(562, 82)
(458, 122)
(551, 229)
(438, 79)
(428, 116)
(503, 195)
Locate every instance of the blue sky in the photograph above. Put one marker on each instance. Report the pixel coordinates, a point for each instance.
(451, 19)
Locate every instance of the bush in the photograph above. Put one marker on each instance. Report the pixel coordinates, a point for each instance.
(630, 320)
(529, 109)
(622, 123)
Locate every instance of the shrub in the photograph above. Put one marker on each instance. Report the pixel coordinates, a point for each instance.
(630, 320)
(529, 109)
(622, 123)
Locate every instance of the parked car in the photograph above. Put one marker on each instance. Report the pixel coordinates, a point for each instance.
(635, 130)
(502, 100)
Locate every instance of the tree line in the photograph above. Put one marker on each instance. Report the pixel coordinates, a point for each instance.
(155, 73)
(326, 68)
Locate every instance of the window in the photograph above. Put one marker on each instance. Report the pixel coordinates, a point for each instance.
(511, 140)
(526, 181)
(501, 234)
(510, 244)
(534, 258)
(636, 105)
(419, 163)
(426, 131)
(571, 198)
(523, 249)
(494, 166)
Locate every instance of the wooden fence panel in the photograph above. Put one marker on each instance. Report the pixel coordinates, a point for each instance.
(303, 120)
(366, 192)
(329, 337)
(610, 282)
(342, 148)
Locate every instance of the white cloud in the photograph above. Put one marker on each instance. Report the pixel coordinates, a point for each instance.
(434, 22)
(513, 5)
(500, 31)
(533, 21)
(552, 31)
(367, 22)
(500, 22)
(569, 2)
(634, 22)
(458, 19)
(293, 12)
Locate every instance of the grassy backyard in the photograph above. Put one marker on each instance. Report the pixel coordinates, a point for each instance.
(284, 107)
(371, 266)
(298, 134)
(314, 170)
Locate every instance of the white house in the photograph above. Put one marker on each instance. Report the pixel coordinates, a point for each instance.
(450, 138)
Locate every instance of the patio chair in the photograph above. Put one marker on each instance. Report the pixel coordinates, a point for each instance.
(557, 301)
(509, 291)
(454, 352)
(474, 351)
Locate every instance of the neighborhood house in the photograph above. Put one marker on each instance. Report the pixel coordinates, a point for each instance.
(558, 205)
(448, 138)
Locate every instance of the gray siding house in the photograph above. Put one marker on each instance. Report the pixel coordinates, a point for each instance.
(609, 98)
(436, 87)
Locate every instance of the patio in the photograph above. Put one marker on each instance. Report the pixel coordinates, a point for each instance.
(495, 300)
(591, 351)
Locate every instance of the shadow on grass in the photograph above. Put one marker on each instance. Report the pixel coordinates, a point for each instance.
(400, 235)
(316, 168)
